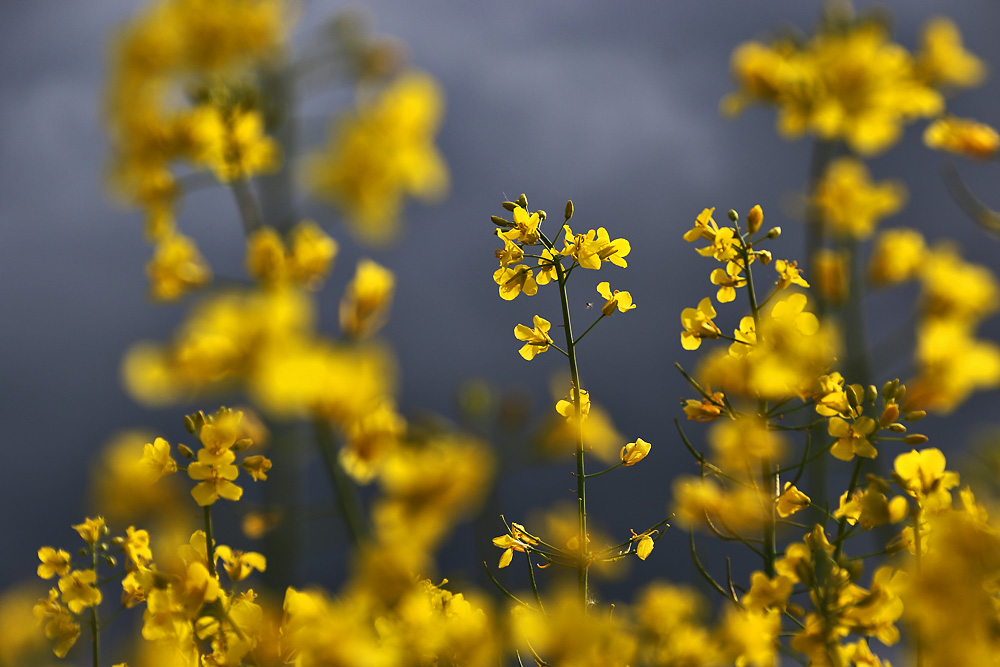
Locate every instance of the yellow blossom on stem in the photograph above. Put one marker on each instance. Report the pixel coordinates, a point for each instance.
(136, 547)
(852, 438)
(791, 501)
(514, 281)
(706, 409)
(851, 203)
(728, 280)
(59, 623)
(698, 324)
(620, 300)
(922, 476)
(91, 530)
(898, 255)
(942, 59)
(176, 267)
(216, 474)
(537, 340)
(156, 457)
(525, 229)
(364, 307)
(634, 452)
(547, 271)
(723, 247)
(232, 142)
(789, 274)
(78, 590)
(239, 564)
(510, 253)
(567, 409)
(53, 562)
(962, 136)
(705, 227)
(257, 466)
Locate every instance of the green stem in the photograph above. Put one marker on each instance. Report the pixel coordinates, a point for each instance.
(209, 541)
(246, 202)
(577, 341)
(606, 470)
(916, 554)
(343, 488)
(581, 477)
(842, 526)
(95, 629)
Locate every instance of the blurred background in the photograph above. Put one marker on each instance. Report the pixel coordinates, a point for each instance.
(613, 105)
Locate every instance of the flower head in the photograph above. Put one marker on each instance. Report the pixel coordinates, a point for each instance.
(537, 340)
(698, 324)
(620, 300)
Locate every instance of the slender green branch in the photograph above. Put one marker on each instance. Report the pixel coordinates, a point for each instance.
(500, 587)
(247, 204)
(534, 586)
(209, 541)
(704, 573)
(606, 470)
(577, 341)
(581, 475)
(347, 495)
(95, 627)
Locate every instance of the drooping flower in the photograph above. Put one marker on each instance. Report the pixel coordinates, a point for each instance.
(620, 300)
(698, 324)
(537, 340)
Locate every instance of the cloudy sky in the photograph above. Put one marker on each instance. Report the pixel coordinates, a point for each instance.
(611, 104)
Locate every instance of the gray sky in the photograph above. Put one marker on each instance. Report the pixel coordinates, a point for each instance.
(611, 104)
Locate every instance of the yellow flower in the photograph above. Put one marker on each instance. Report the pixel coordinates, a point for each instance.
(91, 530)
(791, 501)
(829, 271)
(723, 245)
(942, 59)
(525, 229)
(705, 410)
(257, 466)
(382, 154)
(176, 267)
(510, 253)
(634, 452)
(547, 271)
(789, 274)
(620, 300)
(962, 136)
(851, 203)
(922, 476)
(852, 438)
(53, 562)
(239, 564)
(78, 590)
(364, 307)
(704, 227)
(59, 623)
(156, 457)
(698, 324)
(312, 253)
(595, 247)
(898, 255)
(232, 143)
(567, 409)
(728, 281)
(216, 473)
(136, 547)
(514, 281)
(537, 339)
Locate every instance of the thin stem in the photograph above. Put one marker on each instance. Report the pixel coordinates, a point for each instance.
(247, 204)
(577, 341)
(704, 573)
(843, 520)
(95, 628)
(209, 541)
(918, 638)
(343, 488)
(606, 470)
(581, 476)
(534, 586)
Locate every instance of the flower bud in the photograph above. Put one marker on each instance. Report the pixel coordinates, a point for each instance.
(189, 425)
(568, 213)
(897, 428)
(915, 439)
(242, 444)
(889, 415)
(915, 416)
(509, 205)
(733, 215)
(754, 219)
(185, 451)
(522, 201)
(871, 393)
(889, 389)
(774, 233)
(900, 393)
(541, 214)
(852, 396)
(110, 560)
(764, 256)
(500, 222)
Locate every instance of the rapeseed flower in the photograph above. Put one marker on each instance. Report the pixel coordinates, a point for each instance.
(850, 203)
(698, 324)
(620, 300)
(962, 136)
(537, 340)
(364, 307)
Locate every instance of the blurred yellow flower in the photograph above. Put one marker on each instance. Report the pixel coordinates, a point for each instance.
(850, 203)
(364, 307)
(962, 136)
(381, 154)
(176, 267)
